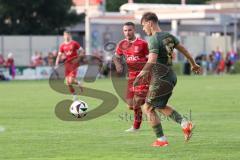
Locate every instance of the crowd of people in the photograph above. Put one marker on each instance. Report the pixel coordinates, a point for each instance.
(8, 63)
(39, 60)
(216, 62)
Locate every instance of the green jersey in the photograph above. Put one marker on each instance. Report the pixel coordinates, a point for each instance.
(163, 78)
(163, 43)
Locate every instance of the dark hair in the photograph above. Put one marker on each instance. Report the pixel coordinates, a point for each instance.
(149, 16)
(129, 24)
(66, 31)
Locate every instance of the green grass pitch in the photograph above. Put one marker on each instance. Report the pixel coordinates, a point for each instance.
(29, 129)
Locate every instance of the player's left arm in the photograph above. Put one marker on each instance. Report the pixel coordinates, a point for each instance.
(80, 53)
(195, 67)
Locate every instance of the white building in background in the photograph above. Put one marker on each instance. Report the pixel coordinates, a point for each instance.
(208, 26)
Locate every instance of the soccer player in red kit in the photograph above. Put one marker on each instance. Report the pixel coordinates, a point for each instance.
(71, 50)
(135, 51)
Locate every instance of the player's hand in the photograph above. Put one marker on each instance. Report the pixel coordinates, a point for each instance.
(119, 68)
(142, 75)
(55, 67)
(196, 69)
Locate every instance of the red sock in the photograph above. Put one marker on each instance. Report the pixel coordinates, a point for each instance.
(137, 118)
(71, 89)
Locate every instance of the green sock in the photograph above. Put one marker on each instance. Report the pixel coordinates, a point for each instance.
(157, 129)
(176, 117)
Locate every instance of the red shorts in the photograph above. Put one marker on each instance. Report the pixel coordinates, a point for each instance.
(71, 69)
(141, 90)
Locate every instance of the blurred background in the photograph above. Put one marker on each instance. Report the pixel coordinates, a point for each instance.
(31, 32)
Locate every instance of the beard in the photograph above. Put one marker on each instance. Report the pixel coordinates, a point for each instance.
(130, 38)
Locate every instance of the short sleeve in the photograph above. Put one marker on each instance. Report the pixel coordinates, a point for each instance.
(153, 45)
(77, 45)
(118, 51)
(175, 40)
(145, 49)
(61, 49)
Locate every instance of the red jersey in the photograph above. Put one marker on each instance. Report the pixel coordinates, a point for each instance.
(70, 52)
(10, 62)
(70, 49)
(136, 57)
(135, 53)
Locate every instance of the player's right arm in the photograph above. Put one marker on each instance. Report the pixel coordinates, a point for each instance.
(118, 64)
(195, 67)
(58, 58)
(60, 53)
(117, 59)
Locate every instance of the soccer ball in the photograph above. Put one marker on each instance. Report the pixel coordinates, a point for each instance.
(78, 109)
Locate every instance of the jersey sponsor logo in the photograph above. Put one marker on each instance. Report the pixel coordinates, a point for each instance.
(133, 58)
(68, 49)
(69, 52)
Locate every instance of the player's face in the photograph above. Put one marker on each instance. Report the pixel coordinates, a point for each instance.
(67, 37)
(129, 32)
(147, 27)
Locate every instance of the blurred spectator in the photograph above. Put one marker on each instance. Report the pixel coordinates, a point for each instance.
(204, 64)
(211, 63)
(49, 59)
(231, 58)
(198, 59)
(37, 59)
(33, 59)
(187, 68)
(217, 56)
(221, 66)
(106, 68)
(2, 77)
(2, 61)
(10, 65)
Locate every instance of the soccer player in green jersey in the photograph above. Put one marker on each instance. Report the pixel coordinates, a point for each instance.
(161, 45)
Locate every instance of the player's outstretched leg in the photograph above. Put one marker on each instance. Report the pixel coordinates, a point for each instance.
(80, 86)
(135, 104)
(137, 120)
(154, 121)
(71, 88)
(187, 126)
(78, 83)
(187, 129)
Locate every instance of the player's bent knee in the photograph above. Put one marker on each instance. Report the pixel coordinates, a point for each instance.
(147, 108)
